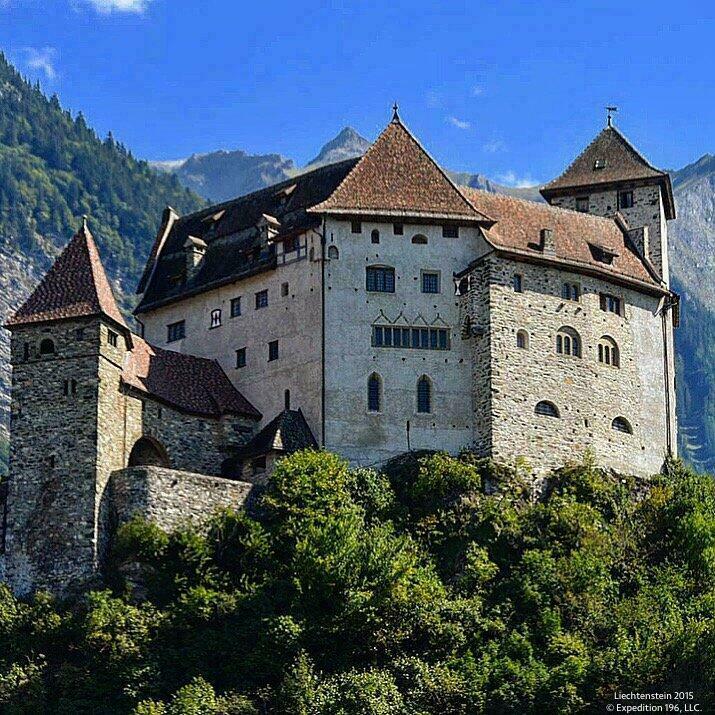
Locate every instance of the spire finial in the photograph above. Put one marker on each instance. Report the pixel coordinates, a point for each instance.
(609, 116)
(395, 115)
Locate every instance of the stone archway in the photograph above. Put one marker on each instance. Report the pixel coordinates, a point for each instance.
(148, 452)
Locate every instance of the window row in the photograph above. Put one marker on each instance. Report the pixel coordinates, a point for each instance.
(568, 342)
(398, 229)
(384, 336)
(273, 354)
(545, 408)
(381, 279)
(423, 394)
(624, 199)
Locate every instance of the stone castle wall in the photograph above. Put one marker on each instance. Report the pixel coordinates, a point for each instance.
(170, 498)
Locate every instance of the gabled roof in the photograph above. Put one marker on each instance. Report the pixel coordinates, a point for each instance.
(288, 432)
(189, 383)
(610, 158)
(76, 286)
(396, 176)
(518, 230)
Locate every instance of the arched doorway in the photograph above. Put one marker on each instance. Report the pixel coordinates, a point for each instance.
(148, 452)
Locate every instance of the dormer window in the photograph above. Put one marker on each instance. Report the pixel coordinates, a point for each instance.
(582, 204)
(112, 338)
(599, 164)
(602, 254)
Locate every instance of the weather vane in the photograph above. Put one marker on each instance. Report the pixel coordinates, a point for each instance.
(610, 111)
(395, 115)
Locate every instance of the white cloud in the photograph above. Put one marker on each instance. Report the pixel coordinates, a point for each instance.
(459, 123)
(494, 145)
(40, 59)
(107, 6)
(511, 178)
(477, 91)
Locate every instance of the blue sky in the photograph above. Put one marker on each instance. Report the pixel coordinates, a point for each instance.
(511, 90)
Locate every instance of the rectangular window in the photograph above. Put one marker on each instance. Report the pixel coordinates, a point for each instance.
(79, 334)
(398, 229)
(175, 331)
(388, 337)
(235, 307)
(415, 337)
(518, 283)
(405, 337)
(410, 338)
(261, 299)
(284, 289)
(430, 282)
(582, 204)
(355, 227)
(216, 318)
(625, 199)
(433, 339)
(377, 337)
(112, 338)
(443, 339)
(26, 351)
(241, 357)
(570, 291)
(380, 279)
(272, 350)
(450, 231)
(424, 338)
(290, 244)
(611, 304)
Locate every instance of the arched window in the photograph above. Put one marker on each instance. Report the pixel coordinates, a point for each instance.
(374, 393)
(333, 253)
(608, 352)
(47, 347)
(148, 451)
(546, 409)
(424, 395)
(621, 424)
(419, 240)
(375, 236)
(522, 339)
(568, 342)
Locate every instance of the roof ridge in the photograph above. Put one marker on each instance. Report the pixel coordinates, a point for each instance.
(629, 145)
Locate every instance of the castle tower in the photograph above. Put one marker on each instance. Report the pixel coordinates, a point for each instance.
(610, 176)
(68, 345)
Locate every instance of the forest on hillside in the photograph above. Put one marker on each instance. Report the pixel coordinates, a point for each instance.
(439, 586)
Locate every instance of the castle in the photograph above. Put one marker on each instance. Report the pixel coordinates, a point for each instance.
(371, 307)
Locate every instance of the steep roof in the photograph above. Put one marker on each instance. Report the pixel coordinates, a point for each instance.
(76, 286)
(288, 432)
(189, 383)
(578, 237)
(235, 248)
(609, 158)
(397, 176)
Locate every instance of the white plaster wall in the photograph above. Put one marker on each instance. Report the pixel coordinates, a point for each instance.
(367, 438)
(293, 320)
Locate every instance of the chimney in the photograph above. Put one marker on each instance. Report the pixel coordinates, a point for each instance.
(547, 242)
(195, 249)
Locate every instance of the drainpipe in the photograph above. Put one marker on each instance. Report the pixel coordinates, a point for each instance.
(322, 335)
(666, 374)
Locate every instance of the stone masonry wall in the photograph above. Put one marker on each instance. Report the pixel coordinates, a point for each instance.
(170, 498)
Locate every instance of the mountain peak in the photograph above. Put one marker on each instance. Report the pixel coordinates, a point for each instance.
(346, 145)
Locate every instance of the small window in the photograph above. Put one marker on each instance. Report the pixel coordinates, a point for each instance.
(112, 338)
(375, 236)
(430, 282)
(621, 424)
(568, 342)
(26, 351)
(333, 253)
(272, 350)
(571, 291)
(522, 339)
(419, 240)
(290, 244)
(625, 199)
(424, 395)
(398, 229)
(79, 335)
(611, 304)
(450, 231)
(69, 387)
(175, 331)
(286, 399)
(355, 227)
(216, 318)
(258, 465)
(374, 390)
(235, 307)
(380, 279)
(241, 357)
(518, 283)
(599, 164)
(47, 347)
(608, 352)
(284, 289)
(582, 204)
(546, 409)
(261, 299)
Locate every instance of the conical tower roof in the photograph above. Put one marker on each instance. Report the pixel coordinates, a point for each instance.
(76, 286)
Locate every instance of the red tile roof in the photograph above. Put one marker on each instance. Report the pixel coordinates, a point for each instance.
(76, 286)
(189, 383)
(518, 228)
(397, 176)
